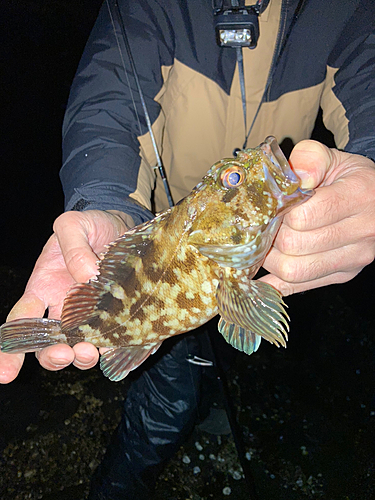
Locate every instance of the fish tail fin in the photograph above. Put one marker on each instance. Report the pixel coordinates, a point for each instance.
(30, 334)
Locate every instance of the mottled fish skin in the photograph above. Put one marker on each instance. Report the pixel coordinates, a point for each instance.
(176, 272)
(160, 279)
(147, 293)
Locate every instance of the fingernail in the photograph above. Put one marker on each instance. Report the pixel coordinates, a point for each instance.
(60, 362)
(307, 182)
(85, 362)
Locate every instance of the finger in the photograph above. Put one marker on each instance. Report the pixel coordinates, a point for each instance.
(28, 306)
(79, 257)
(83, 355)
(103, 350)
(345, 232)
(10, 365)
(86, 355)
(311, 267)
(329, 204)
(286, 288)
(311, 161)
(56, 357)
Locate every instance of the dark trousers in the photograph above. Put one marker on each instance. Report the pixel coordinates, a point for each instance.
(159, 412)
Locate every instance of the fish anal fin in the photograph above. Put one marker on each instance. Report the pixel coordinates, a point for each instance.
(241, 339)
(117, 363)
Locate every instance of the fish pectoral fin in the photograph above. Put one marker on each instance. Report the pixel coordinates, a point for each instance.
(30, 334)
(243, 340)
(117, 363)
(254, 306)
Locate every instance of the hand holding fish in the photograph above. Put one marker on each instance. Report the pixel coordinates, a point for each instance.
(330, 238)
(69, 256)
(174, 273)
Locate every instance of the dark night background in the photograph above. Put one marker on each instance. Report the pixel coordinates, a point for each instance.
(40, 46)
(306, 413)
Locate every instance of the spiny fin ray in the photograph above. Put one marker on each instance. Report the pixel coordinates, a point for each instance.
(117, 363)
(80, 305)
(256, 307)
(30, 334)
(241, 339)
(131, 245)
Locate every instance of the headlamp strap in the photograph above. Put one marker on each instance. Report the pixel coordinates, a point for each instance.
(241, 75)
(117, 19)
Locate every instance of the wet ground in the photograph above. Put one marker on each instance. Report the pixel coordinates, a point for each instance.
(306, 415)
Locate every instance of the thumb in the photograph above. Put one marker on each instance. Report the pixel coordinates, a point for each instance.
(311, 161)
(28, 306)
(73, 240)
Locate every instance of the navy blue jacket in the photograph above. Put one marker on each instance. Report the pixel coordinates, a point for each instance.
(324, 57)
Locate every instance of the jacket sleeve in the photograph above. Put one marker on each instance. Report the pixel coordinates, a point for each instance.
(348, 101)
(104, 116)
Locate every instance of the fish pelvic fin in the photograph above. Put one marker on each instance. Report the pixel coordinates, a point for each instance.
(117, 363)
(254, 306)
(243, 340)
(30, 334)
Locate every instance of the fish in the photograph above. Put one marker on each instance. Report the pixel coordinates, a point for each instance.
(174, 273)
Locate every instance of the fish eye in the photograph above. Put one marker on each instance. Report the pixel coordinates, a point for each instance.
(232, 176)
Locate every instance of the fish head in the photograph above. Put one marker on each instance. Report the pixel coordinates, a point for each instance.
(241, 203)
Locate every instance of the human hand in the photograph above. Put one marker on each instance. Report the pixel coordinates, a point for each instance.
(331, 237)
(69, 256)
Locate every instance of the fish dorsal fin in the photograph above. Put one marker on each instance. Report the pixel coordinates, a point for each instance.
(252, 305)
(80, 305)
(117, 363)
(243, 340)
(130, 246)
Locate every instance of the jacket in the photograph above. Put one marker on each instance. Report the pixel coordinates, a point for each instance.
(310, 54)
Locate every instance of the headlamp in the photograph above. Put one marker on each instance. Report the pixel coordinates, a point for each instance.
(237, 27)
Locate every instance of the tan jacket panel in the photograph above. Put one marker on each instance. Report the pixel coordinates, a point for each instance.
(334, 112)
(199, 123)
